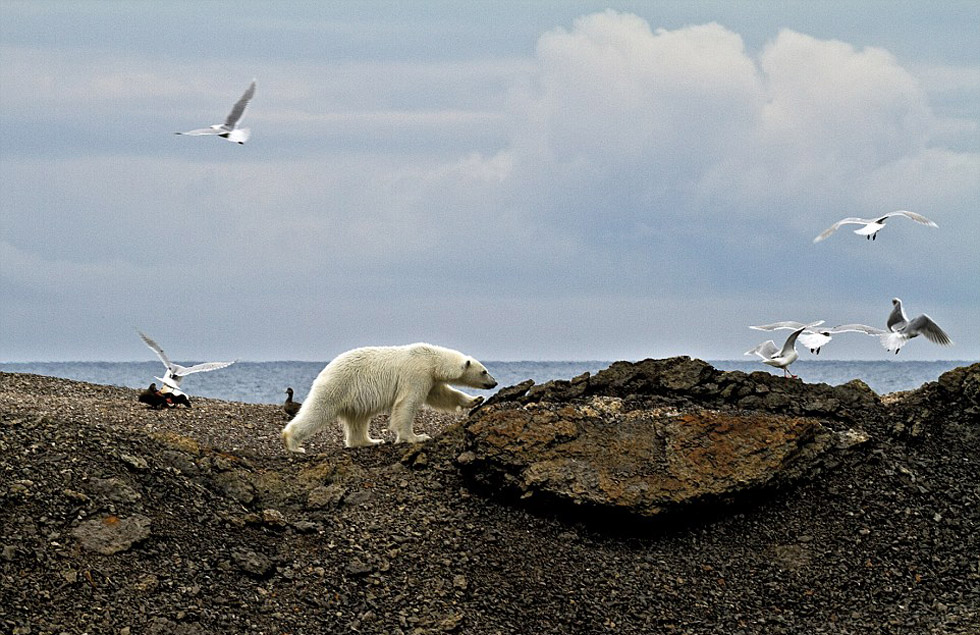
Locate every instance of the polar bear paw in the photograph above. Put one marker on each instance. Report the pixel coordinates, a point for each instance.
(415, 438)
(363, 443)
(291, 444)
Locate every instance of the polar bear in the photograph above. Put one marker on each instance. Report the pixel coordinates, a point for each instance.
(364, 382)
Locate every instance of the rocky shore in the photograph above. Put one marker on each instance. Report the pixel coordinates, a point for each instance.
(658, 497)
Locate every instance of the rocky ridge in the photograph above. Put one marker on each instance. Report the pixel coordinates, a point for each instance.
(119, 519)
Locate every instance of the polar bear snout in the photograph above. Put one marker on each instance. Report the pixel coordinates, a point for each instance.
(485, 380)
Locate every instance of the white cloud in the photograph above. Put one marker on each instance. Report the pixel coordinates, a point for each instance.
(835, 111)
(658, 173)
(610, 95)
(671, 124)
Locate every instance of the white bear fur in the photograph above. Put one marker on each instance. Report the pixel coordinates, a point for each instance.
(364, 382)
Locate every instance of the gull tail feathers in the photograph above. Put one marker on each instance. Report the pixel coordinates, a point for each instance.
(893, 341)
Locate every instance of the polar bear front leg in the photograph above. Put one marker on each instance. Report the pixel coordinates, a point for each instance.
(356, 432)
(448, 399)
(402, 417)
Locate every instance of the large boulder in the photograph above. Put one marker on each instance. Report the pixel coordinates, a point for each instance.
(660, 435)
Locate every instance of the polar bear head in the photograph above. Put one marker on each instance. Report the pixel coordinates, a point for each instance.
(475, 375)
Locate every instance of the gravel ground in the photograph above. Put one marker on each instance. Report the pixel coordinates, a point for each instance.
(119, 519)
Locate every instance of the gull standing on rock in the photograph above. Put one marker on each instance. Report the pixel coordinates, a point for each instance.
(815, 339)
(873, 225)
(812, 339)
(229, 129)
(781, 358)
(901, 329)
(175, 372)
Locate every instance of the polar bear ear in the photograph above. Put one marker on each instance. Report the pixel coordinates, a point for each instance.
(466, 365)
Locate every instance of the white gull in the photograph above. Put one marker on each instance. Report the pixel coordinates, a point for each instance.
(781, 358)
(229, 129)
(175, 372)
(901, 329)
(871, 226)
(814, 338)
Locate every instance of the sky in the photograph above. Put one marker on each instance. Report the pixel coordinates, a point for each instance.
(516, 180)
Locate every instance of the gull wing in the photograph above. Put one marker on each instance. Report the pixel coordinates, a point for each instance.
(897, 319)
(790, 343)
(919, 218)
(789, 324)
(857, 328)
(923, 325)
(173, 386)
(158, 350)
(168, 381)
(777, 326)
(239, 109)
(765, 350)
(200, 132)
(203, 368)
(845, 221)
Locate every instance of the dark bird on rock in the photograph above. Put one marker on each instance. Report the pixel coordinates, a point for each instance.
(153, 398)
(157, 399)
(290, 407)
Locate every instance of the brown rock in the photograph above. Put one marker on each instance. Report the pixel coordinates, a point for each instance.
(644, 461)
(112, 534)
(658, 435)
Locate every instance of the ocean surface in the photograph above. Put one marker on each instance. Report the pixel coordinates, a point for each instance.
(266, 382)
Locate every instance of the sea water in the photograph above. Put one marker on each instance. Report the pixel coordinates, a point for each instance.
(266, 382)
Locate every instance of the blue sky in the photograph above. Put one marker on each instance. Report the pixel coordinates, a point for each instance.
(518, 180)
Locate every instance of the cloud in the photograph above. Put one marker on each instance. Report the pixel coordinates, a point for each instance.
(686, 121)
(615, 108)
(677, 164)
(649, 187)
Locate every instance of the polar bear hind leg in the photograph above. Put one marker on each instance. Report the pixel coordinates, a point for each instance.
(403, 417)
(356, 431)
(448, 399)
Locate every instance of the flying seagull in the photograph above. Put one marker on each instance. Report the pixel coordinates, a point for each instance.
(229, 129)
(175, 372)
(901, 329)
(814, 338)
(781, 358)
(873, 225)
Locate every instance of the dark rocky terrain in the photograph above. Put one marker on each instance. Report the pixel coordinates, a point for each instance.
(119, 519)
